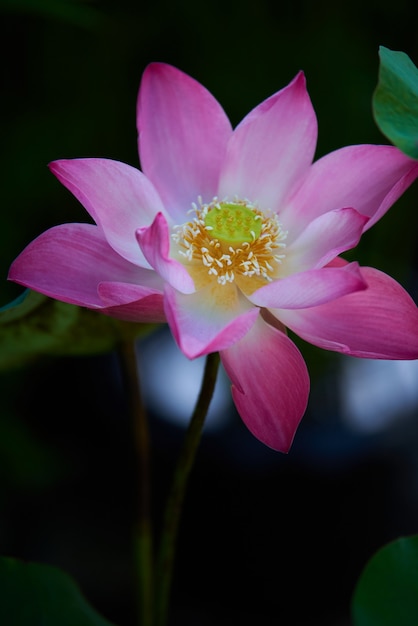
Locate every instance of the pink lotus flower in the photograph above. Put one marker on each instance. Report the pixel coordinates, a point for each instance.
(229, 236)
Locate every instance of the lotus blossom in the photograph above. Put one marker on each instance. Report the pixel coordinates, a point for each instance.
(230, 236)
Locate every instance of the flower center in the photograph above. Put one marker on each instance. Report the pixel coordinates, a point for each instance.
(231, 242)
(233, 223)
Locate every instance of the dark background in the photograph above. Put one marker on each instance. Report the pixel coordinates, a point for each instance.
(266, 538)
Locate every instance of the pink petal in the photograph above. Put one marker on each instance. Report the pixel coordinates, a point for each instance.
(270, 384)
(68, 262)
(209, 320)
(132, 303)
(323, 239)
(272, 148)
(366, 177)
(118, 197)
(183, 133)
(310, 288)
(380, 322)
(155, 244)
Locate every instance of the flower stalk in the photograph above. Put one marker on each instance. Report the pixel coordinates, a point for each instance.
(154, 584)
(166, 554)
(143, 538)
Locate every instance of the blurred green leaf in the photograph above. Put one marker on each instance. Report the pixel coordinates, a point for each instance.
(33, 593)
(395, 100)
(387, 590)
(35, 325)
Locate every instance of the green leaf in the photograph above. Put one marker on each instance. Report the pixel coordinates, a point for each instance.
(386, 593)
(395, 100)
(33, 594)
(34, 325)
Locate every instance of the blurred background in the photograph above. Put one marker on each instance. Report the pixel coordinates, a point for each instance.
(265, 538)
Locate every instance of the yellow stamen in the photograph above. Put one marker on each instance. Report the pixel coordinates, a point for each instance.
(231, 242)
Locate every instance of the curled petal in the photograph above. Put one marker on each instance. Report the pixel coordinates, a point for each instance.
(182, 136)
(310, 288)
(209, 320)
(380, 322)
(366, 177)
(270, 384)
(68, 262)
(272, 147)
(118, 197)
(155, 244)
(323, 239)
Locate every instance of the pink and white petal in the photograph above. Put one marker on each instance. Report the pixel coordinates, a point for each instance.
(368, 178)
(133, 303)
(182, 136)
(272, 148)
(270, 384)
(380, 322)
(118, 197)
(209, 320)
(67, 262)
(154, 241)
(310, 288)
(323, 239)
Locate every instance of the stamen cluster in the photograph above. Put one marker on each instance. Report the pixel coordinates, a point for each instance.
(227, 261)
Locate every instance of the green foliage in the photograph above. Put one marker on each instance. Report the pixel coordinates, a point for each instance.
(33, 593)
(34, 325)
(395, 100)
(387, 591)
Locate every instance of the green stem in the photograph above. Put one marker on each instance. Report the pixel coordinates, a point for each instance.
(143, 531)
(185, 461)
